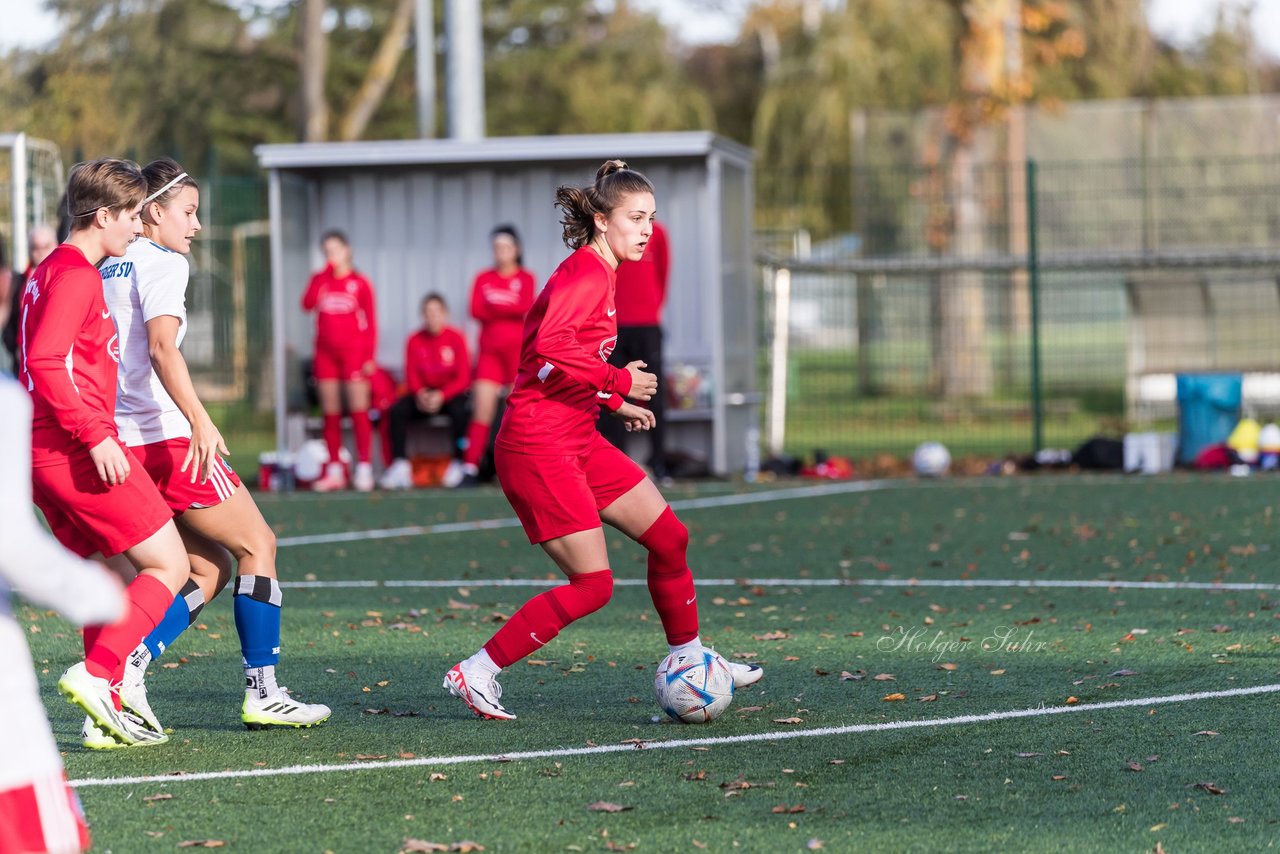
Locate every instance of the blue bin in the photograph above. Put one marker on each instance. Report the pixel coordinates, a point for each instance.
(1208, 410)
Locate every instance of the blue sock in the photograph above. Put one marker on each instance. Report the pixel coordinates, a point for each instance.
(257, 609)
(182, 613)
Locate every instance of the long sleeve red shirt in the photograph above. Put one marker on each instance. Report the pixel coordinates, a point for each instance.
(564, 373)
(642, 285)
(70, 353)
(346, 316)
(437, 362)
(500, 304)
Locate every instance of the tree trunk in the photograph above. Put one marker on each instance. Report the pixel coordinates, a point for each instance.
(313, 61)
(381, 70)
(966, 359)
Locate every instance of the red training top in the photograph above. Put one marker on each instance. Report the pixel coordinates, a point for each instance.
(564, 374)
(71, 354)
(642, 285)
(345, 313)
(500, 304)
(438, 362)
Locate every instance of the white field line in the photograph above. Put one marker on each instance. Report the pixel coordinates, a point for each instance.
(1027, 583)
(844, 488)
(555, 753)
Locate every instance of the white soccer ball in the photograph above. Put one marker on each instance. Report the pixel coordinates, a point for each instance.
(694, 687)
(931, 459)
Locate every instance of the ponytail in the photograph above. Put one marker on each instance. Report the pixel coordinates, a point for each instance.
(579, 205)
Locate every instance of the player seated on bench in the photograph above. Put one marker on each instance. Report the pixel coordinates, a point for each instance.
(437, 370)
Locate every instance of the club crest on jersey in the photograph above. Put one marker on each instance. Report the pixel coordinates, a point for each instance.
(606, 347)
(351, 287)
(446, 355)
(113, 348)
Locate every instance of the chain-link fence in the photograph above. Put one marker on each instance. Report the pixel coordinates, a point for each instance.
(1000, 308)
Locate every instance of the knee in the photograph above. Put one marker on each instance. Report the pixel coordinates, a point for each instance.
(667, 537)
(594, 588)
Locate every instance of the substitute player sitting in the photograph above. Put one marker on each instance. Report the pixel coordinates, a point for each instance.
(161, 419)
(92, 490)
(560, 475)
(437, 370)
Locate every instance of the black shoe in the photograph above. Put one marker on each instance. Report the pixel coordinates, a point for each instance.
(469, 480)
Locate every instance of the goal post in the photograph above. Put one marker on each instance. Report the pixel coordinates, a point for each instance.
(32, 177)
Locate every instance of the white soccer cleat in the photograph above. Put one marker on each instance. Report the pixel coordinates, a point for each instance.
(93, 695)
(362, 480)
(96, 738)
(333, 479)
(133, 696)
(280, 710)
(453, 474)
(479, 690)
(743, 674)
(399, 475)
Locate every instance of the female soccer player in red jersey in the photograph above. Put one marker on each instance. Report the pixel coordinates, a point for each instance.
(91, 488)
(500, 297)
(346, 341)
(161, 419)
(560, 475)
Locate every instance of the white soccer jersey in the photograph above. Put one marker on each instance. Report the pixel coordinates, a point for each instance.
(47, 575)
(148, 281)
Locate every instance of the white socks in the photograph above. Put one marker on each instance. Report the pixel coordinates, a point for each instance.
(482, 661)
(261, 681)
(696, 643)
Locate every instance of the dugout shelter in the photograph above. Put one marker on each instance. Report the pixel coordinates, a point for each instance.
(419, 214)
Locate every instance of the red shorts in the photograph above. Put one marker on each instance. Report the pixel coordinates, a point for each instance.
(87, 515)
(163, 463)
(44, 815)
(346, 364)
(558, 495)
(498, 366)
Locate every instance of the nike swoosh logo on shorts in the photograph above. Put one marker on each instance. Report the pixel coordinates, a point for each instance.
(612, 313)
(691, 601)
(106, 312)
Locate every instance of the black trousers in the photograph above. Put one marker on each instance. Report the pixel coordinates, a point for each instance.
(405, 412)
(643, 343)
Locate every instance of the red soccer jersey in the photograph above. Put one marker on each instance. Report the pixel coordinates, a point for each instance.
(500, 304)
(440, 362)
(642, 285)
(564, 374)
(345, 313)
(70, 353)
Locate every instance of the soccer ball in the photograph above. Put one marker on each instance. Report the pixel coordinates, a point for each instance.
(931, 459)
(693, 687)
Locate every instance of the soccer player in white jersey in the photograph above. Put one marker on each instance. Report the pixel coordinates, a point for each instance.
(163, 422)
(38, 810)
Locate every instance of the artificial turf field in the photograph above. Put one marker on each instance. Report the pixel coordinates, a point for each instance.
(1114, 716)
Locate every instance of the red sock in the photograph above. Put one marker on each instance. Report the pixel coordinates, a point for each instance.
(148, 601)
(670, 580)
(542, 617)
(364, 435)
(384, 439)
(333, 435)
(477, 443)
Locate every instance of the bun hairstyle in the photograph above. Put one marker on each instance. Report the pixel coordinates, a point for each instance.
(165, 179)
(510, 231)
(614, 181)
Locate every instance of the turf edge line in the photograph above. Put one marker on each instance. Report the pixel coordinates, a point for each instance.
(427, 761)
(1029, 583)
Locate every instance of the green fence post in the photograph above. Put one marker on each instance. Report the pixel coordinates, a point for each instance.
(1033, 287)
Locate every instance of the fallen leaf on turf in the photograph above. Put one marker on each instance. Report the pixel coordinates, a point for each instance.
(947, 666)
(1220, 629)
(751, 709)
(855, 676)
(371, 756)
(997, 672)
(737, 785)
(1071, 701)
(775, 635)
(1027, 755)
(835, 761)
(1058, 777)
(159, 796)
(618, 846)
(1211, 788)
(605, 806)
(783, 808)
(929, 698)
(893, 698)
(1235, 820)
(201, 843)
(788, 720)
(813, 844)
(418, 846)
(455, 605)
(1205, 732)
(536, 662)
(1156, 828)
(1134, 766)
(818, 671)
(171, 665)
(1124, 673)
(695, 775)
(404, 754)
(884, 677)
(702, 846)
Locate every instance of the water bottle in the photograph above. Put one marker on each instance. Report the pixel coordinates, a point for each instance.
(752, 470)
